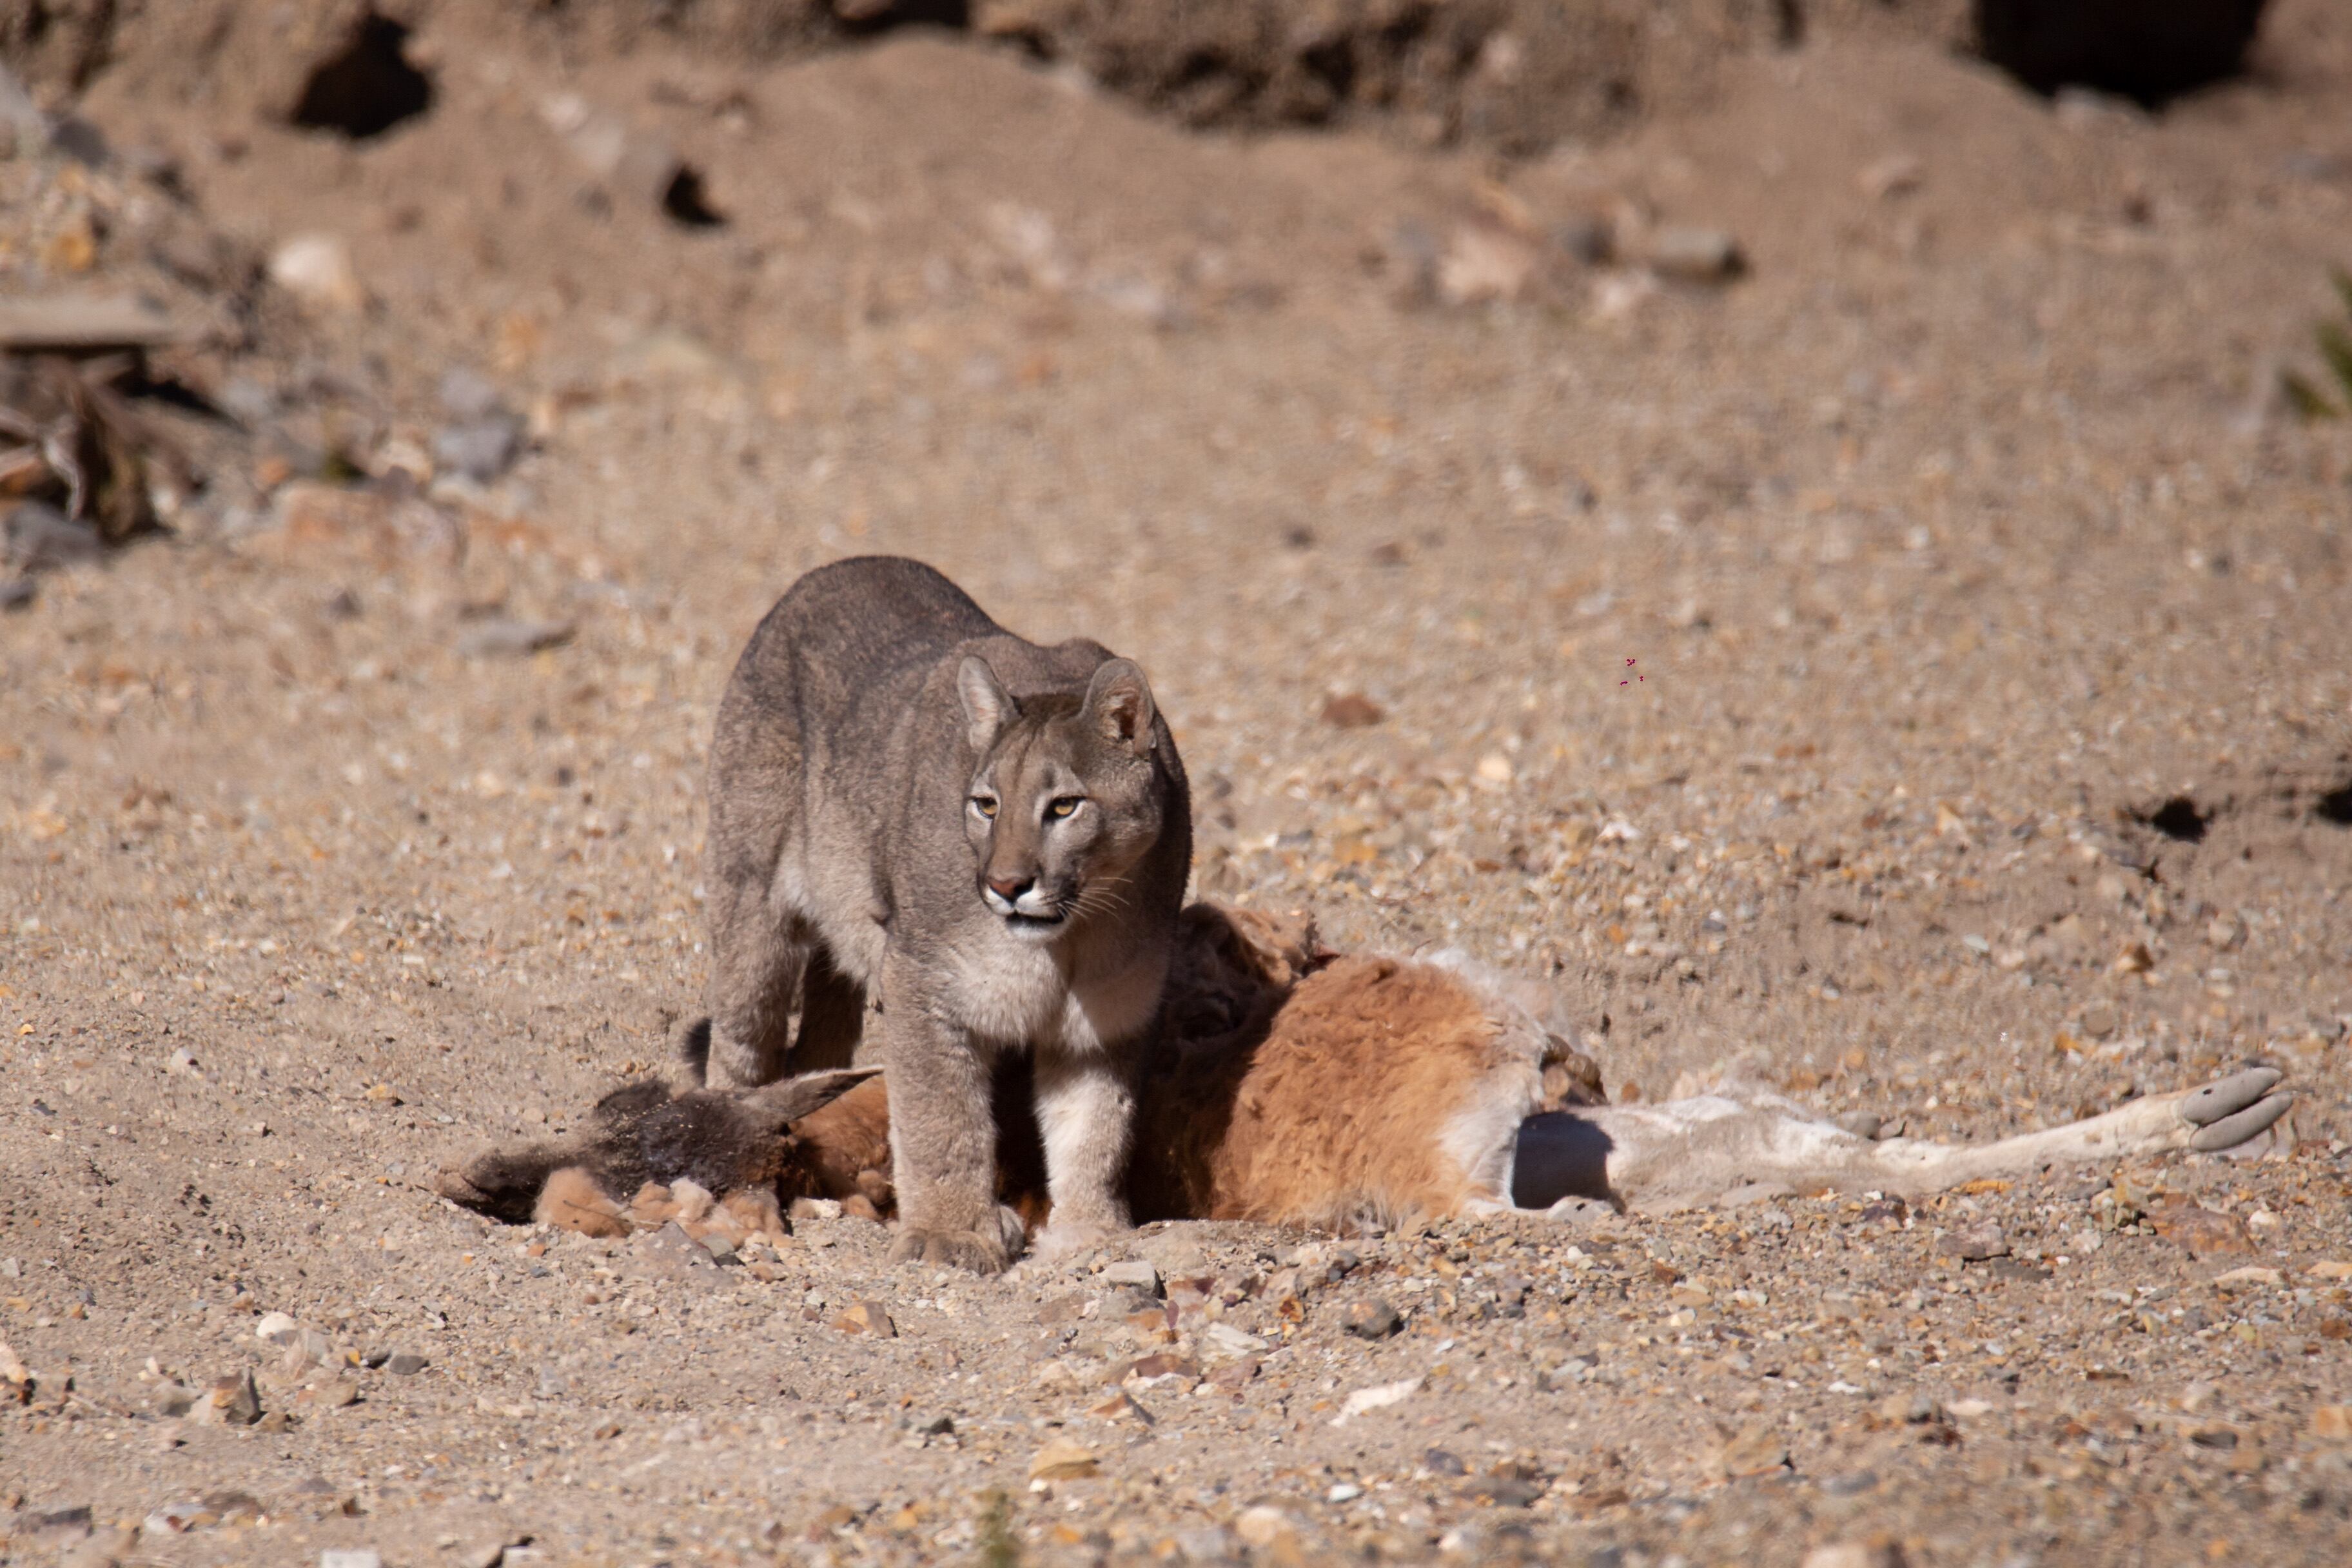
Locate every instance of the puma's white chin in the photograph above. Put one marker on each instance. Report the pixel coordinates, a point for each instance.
(1036, 928)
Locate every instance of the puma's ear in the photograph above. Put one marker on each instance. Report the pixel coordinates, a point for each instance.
(1118, 705)
(987, 705)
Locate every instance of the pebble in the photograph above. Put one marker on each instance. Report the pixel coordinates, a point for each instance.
(867, 1318)
(232, 1401)
(38, 537)
(405, 1364)
(481, 449)
(276, 1329)
(1754, 1451)
(1352, 710)
(1134, 1274)
(352, 1557)
(1975, 1243)
(1205, 1544)
(317, 270)
(1371, 1318)
(505, 636)
(1379, 1398)
(1697, 255)
(1260, 1526)
(2331, 1423)
(1346, 1491)
(1063, 1460)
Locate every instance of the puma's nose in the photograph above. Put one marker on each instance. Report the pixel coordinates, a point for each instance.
(1010, 888)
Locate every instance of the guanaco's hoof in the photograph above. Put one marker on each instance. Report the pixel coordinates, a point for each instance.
(2230, 1110)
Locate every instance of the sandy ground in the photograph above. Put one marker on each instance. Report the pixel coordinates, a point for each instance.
(1796, 671)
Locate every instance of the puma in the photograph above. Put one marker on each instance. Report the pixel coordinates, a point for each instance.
(936, 843)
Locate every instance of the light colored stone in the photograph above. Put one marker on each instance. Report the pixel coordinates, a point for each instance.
(1134, 1274)
(1379, 1398)
(1262, 1526)
(1063, 1460)
(317, 270)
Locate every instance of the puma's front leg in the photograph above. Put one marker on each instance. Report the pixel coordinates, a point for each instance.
(942, 1137)
(1086, 1109)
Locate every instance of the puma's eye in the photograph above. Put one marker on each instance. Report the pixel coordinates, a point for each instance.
(983, 804)
(1064, 806)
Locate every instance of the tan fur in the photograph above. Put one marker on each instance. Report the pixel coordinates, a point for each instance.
(1313, 1136)
(572, 1201)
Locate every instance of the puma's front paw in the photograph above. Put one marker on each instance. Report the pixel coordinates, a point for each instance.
(986, 1250)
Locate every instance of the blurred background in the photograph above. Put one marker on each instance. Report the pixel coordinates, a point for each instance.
(1819, 526)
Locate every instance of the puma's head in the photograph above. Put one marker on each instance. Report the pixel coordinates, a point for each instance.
(1065, 798)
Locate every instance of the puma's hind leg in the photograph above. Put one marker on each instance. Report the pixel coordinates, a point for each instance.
(758, 957)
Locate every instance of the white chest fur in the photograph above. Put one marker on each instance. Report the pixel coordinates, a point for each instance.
(1019, 993)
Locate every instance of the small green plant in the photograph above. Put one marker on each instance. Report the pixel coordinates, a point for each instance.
(999, 1548)
(2308, 398)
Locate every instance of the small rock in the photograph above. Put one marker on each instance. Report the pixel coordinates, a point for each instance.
(1120, 1406)
(1755, 1451)
(1262, 1526)
(1205, 1544)
(1063, 1460)
(1861, 1123)
(1697, 255)
(38, 537)
(171, 1400)
(317, 270)
(469, 394)
(1483, 263)
(481, 449)
(1371, 1318)
(1134, 1274)
(1917, 1408)
(2201, 1232)
(867, 1318)
(1584, 1214)
(1855, 1554)
(1975, 1243)
(1223, 1340)
(1377, 1397)
(352, 1557)
(405, 1364)
(504, 636)
(276, 1329)
(1352, 710)
(2331, 1423)
(2249, 1278)
(232, 1401)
